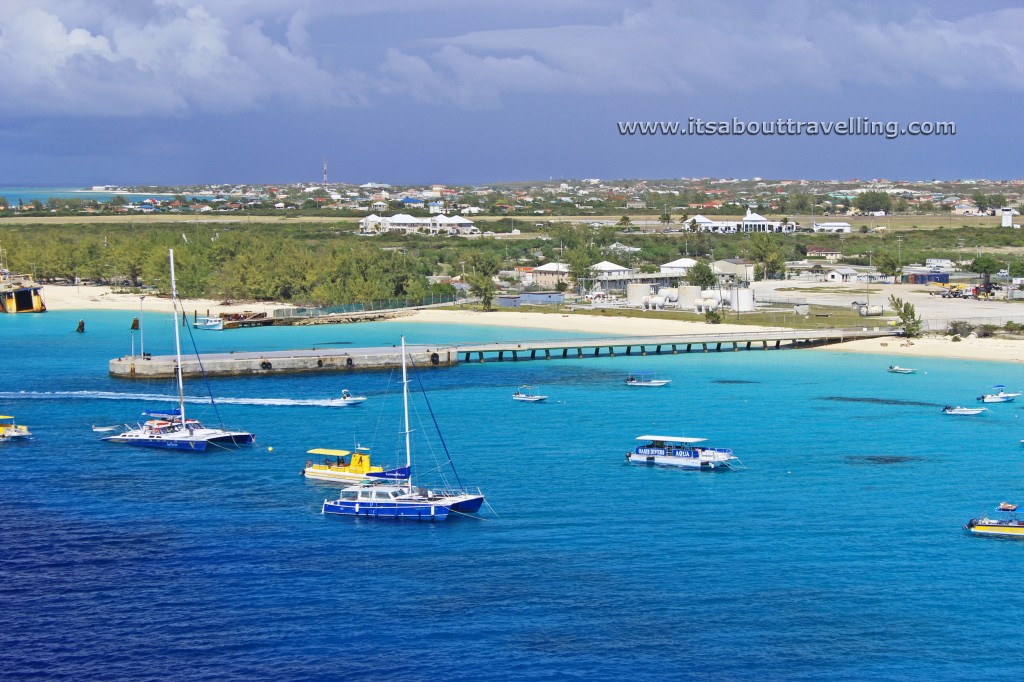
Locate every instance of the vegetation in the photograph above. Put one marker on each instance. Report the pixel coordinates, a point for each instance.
(908, 316)
(959, 328)
(701, 275)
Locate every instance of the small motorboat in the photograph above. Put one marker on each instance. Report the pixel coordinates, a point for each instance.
(1008, 525)
(347, 399)
(896, 369)
(646, 379)
(1000, 396)
(528, 394)
(11, 431)
(210, 323)
(949, 409)
(679, 451)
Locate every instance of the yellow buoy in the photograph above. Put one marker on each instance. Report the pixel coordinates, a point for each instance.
(270, 449)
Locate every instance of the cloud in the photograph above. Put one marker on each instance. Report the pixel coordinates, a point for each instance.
(699, 49)
(173, 58)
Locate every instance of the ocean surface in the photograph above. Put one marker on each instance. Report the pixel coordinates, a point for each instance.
(838, 553)
(27, 194)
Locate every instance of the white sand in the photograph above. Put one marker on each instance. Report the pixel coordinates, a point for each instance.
(992, 349)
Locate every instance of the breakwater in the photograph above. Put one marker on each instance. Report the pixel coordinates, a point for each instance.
(383, 358)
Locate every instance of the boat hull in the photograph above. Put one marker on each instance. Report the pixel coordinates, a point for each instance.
(418, 511)
(160, 443)
(679, 462)
(998, 529)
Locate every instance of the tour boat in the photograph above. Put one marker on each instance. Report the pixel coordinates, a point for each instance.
(528, 394)
(171, 429)
(646, 379)
(949, 409)
(679, 451)
(896, 369)
(1008, 525)
(11, 431)
(332, 465)
(404, 500)
(1000, 396)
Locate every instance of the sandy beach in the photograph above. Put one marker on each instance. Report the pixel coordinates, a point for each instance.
(992, 349)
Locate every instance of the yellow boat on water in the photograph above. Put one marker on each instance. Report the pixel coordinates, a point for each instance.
(347, 467)
(1007, 526)
(11, 431)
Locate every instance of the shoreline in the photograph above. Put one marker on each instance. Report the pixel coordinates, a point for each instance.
(84, 298)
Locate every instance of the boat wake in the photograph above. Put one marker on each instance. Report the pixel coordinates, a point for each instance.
(158, 397)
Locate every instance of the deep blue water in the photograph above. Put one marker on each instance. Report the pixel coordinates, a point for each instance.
(824, 559)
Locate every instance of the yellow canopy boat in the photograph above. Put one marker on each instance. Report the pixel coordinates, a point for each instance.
(346, 466)
(11, 431)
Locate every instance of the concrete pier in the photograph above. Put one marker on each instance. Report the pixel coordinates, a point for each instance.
(362, 359)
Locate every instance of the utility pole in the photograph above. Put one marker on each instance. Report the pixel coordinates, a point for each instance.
(899, 251)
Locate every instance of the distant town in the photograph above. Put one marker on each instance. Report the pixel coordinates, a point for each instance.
(686, 204)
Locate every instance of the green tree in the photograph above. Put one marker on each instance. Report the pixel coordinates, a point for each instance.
(624, 221)
(580, 261)
(482, 286)
(701, 275)
(873, 201)
(908, 316)
(887, 264)
(767, 255)
(1017, 268)
(987, 266)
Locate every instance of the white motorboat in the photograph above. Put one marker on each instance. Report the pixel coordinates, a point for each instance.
(646, 379)
(214, 323)
(949, 409)
(1000, 396)
(528, 394)
(347, 399)
(896, 369)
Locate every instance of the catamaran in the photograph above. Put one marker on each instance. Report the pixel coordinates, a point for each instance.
(402, 499)
(171, 429)
(679, 451)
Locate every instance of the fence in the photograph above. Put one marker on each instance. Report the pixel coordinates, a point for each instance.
(372, 306)
(942, 325)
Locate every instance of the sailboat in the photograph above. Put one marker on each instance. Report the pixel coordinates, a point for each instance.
(402, 499)
(171, 429)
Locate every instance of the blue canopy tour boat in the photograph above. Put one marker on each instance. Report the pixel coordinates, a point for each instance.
(402, 499)
(679, 451)
(1006, 524)
(171, 429)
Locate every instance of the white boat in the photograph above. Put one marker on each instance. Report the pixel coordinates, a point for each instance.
(403, 500)
(646, 379)
(215, 323)
(896, 369)
(171, 429)
(949, 409)
(679, 451)
(1000, 396)
(528, 394)
(347, 399)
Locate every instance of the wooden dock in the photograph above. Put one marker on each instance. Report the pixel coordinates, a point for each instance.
(363, 359)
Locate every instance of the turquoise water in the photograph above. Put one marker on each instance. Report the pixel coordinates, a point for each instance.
(27, 194)
(838, 553)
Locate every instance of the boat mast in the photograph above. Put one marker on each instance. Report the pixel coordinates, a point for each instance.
(405, 407)
(177, 342)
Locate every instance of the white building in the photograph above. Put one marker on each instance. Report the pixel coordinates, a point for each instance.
(434, 225)
(834, 227)
(549, 275)
(751, 222)
(678, 267)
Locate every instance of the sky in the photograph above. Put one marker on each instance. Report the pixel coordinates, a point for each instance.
(180, 92)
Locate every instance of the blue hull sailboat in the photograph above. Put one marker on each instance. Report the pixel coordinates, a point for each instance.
(402, 499)
(171, 430)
